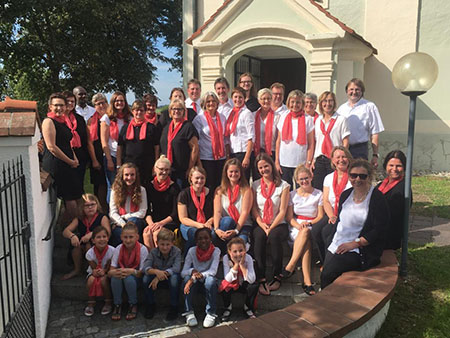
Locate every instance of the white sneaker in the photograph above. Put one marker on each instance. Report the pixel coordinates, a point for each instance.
(191, 320)
(209, 321)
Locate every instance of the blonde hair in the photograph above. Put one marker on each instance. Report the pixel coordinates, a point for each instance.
(193, 170)
(165, 235)
(225, 184)
(163, 160)
(88, 198)
(301, 169)
(295, 93)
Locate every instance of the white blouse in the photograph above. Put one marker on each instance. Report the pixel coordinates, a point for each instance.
(112, 144)
(204, 142)
(91, 257)
(225, 202)
(262, 138)
(245, 131)
(307, 206)
(231, 275)
(276, 198)
(328, 182)
(338, 133)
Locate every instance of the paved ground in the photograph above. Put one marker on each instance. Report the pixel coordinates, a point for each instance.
(430, 230)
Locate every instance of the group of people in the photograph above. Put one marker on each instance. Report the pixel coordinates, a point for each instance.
(231, 176)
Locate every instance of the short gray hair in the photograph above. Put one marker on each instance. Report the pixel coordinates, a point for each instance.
(311, 96)
(98, 97)
(205, 97)
(263, 91)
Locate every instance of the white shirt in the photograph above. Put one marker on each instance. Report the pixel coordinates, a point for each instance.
(91, 257)
(307, 206)
(281, 110)
(276, 198)
(86, 112)
(112, 144)
(204, 141)
(291, 153)
(121, 219)
(189, 104)
(328, 182)
(363, 120)
(115, 258)
(351, 221)
(225, 202)
(338, 133)
(245, 131)
(230, 275)
(276, 117)
(226, 108)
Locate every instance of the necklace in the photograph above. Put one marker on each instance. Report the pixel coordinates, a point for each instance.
(360, 199)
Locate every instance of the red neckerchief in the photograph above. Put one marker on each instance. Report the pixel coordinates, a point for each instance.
(268, 129)
(172, 132)
(232, 197)
(286, 133)
(267, 192)
(58, 118)
(142, 133)
(88, 223)
(133, 207)
(204, 255)
(163, 186)
(75, 142)
(199, 204)
(234, 285)
(327, 144)
(96, 287)
(216, 133)
(338, 189)
(315, 116)
(114, 126)
(151, 118)
(93, 127)
(232, 121)
(131, 259)
(385, 186)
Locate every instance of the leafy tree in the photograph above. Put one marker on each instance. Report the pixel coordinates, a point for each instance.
(103, 45)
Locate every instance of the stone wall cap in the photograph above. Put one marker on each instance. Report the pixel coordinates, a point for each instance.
(18, 117)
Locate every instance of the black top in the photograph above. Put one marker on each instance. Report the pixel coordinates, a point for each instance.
(163, 203)
(63, 135)
(164, 119)
(81, 229)
(185, 198)
(82, 152)
(252, 104)
(181, 152)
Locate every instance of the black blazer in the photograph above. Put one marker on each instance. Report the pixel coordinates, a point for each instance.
(374, 229)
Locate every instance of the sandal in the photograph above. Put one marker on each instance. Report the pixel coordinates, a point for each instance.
(225, 315)
(249, 313)
(89, 309)
(132, 312)
(107, 308)
(287, 274)
(275, 284)
(309, 290)
(117, 312)
(263, 288)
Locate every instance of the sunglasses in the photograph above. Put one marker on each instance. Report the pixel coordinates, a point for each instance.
(361, 176)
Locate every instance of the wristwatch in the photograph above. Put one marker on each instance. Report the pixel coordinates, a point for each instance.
(236, 231)
(358, 240)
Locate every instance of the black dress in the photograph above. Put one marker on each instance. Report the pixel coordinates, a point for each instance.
(162, 204)
(81, 152)
(82, 229)
(65, 178)
(98, 176)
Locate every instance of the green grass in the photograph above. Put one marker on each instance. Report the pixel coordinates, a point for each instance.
(88, 187)
(431, 196)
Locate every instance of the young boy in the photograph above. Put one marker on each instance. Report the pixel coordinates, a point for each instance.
(162, 268)
(126, 270)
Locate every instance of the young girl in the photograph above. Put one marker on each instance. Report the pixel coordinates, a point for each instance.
(79, 231)
(99, 259)
(239, 276)
(199, 271)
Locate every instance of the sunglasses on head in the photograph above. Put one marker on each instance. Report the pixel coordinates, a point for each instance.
(361, 176)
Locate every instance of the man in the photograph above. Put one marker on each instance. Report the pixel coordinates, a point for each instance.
(277, 98)
(222, 88)
(194, 91)
(311, 105)
(82, 107)
(363, 120)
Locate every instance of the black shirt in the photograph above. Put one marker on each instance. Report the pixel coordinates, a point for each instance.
(82, 152)
(252, 104)
(185, 198)
(162, 204)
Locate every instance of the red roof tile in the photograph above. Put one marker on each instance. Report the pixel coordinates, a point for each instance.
(18, 117)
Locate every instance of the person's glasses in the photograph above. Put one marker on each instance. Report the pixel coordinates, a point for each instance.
(353, 176)
(90, 205)
(177, 109)
(100, 103)
(303, 179)
(245, 81)
(164, 170)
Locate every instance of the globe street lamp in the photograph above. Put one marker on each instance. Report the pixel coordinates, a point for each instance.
(414, 74)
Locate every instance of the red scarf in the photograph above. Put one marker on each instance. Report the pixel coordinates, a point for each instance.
(204, 255)
(338, 189)
(131, 259)
(286, 134)
(232, 197)
(199, 204)
(267, 192)
(161, 186)
(232, 121)
(96, 287)
(172, 132)
(151, 118)
(114, 126)
(234, 285)
(142, 133)
(315, 116)
(327, 145)
(58, 118)
(133, 207)
(385, 186)
(88, 223)
(93, 127)
(267, 132)
(216, 134)
(75, 142)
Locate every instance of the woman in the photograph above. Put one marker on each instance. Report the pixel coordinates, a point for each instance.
(270, 202)
(246, 83)
(151, 103)
(240, 127)
(232, 204)
(265, 127)
(98, 178)
(304, 211)
(295, 141)
(117, 114)
(162, 195)
(179, 142)
(195, 207)
(330, 130)
(59, 159)
(393, 188)
(358, 239)
(128, 201)
(210, 126)
(139, 142)
(175, 94)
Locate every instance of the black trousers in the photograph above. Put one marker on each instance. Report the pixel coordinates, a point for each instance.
(322, 168)
(321, 233)
(276, 238)
(213, 170)
(288, 176)
(248, 170)
(359, 150)
(250, 291)
(335, 265)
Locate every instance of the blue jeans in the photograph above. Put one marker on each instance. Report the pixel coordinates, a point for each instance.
(209, 284)
(131, 284)
(110, 176)
(227, 223)
(188, 234)
(173, 283)
(117, 231)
